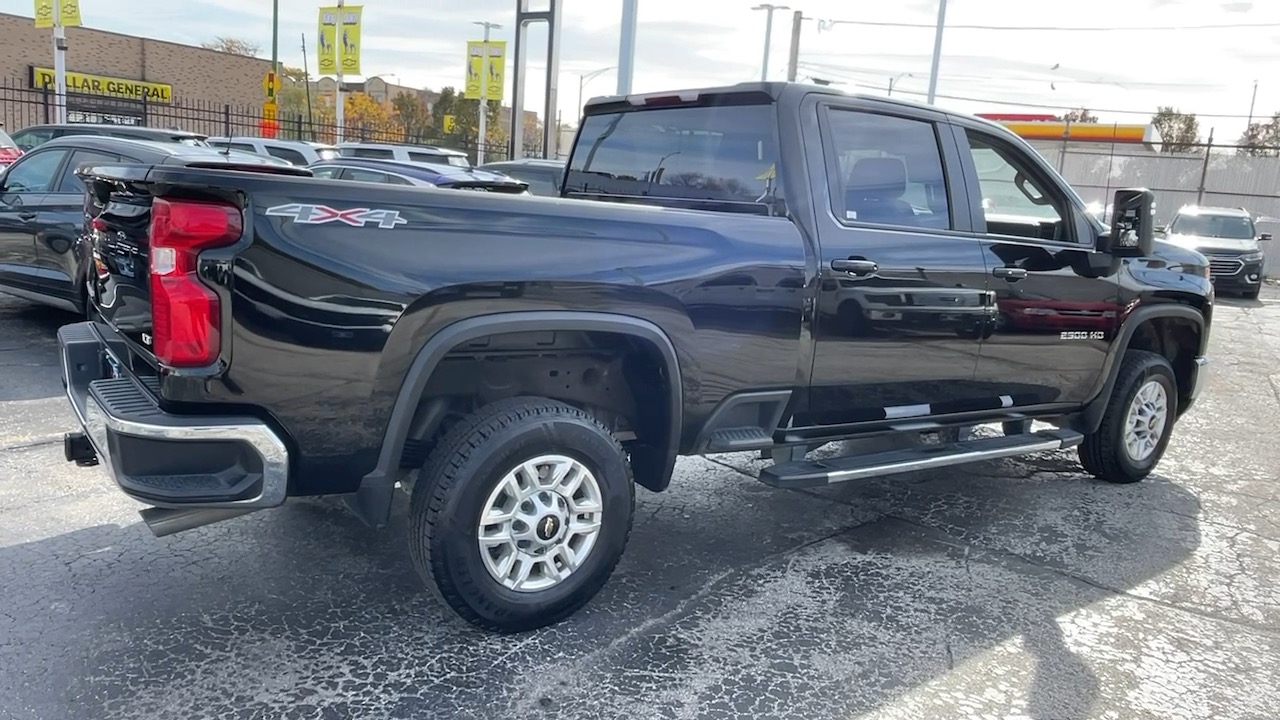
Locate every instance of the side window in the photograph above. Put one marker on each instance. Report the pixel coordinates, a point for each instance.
(1015, 201)
(243, 147)
(887, 170)
(35, 173)
(325, 172)
(71, 182)
(371, 176)
(31, 139)
(291, 156)
(398, 180)
(375, 153)
(428, 158)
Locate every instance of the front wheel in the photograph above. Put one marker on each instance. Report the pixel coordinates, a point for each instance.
(1137, 423)
(521, 514)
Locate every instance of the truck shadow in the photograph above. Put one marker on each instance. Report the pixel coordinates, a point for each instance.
(28, 347)
(733, 598)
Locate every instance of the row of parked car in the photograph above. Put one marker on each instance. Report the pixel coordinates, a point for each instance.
(42, 198)
(418, 165)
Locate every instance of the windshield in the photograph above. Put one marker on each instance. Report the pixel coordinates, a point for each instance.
(1231, 227)
(719, 153)
(459, 161)
(328, 154)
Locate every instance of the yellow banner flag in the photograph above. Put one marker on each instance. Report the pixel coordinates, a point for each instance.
(495, 75)
(340, 36)
(70, 13)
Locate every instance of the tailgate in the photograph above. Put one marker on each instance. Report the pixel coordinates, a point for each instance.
(155, 239)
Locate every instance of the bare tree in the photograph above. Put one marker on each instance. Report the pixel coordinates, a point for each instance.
(235, 46)
(1262, 138)
(1179, 131)
(1080, 115)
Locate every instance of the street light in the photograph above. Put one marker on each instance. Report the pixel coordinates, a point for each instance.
(484, 88)
(585, 78)
(894, 80)
(768, 35)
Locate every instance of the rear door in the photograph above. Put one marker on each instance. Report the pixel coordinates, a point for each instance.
(61, 222)
(1058, 300)
(27, 184)
(903, 285)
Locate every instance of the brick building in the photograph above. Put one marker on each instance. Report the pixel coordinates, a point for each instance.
(113, 75)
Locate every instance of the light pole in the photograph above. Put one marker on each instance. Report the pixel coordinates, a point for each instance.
(1253, 100)
(484, 88)
(627, 45)
(937, 50)
(585, 78)
(768, 35)
(894, 80)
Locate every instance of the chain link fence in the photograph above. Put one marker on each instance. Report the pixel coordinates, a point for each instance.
(1216, 175)
(22, 106)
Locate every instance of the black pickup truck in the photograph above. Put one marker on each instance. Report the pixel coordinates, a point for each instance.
(763, 267)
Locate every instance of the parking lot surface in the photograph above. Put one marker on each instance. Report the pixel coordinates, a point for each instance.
(1017, 589)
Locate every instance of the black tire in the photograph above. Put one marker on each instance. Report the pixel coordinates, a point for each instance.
(457, 480)
(1103, 453)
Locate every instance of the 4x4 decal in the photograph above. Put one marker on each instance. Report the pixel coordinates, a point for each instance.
(321, 214)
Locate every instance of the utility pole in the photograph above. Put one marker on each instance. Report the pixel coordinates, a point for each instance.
(768, 35)
(1253, 100)
(937, 50)
(340, 110)
(275, 37)
(484, 88)
(627, 45)
(793, 62)
(582, 83)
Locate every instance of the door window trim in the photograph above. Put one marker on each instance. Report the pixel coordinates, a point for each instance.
(57, 170)
(1074, 220)
(948, 153)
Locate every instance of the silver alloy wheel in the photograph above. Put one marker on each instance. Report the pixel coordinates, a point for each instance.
(1145, 424)
(540, 523)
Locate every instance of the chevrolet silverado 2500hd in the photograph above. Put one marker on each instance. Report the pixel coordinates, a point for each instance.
(763, 267)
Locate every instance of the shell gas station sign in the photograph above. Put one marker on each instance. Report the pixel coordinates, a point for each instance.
(1049, 127)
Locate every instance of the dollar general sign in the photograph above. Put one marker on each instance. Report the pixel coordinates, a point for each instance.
(86, 84)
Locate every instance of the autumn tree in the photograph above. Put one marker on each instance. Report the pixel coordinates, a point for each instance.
(1179, 131)
(1080, 115)
(235, 46)
(364, 119)
(413, 116)
(1261, 138)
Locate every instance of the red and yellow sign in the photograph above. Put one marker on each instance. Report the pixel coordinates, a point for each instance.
(1081, 132)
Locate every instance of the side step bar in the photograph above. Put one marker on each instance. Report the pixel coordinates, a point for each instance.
(809, 474)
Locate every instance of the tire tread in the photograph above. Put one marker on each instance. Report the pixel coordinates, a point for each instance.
(1100, 453)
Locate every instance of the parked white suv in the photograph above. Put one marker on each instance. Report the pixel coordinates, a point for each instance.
(295, 152)
(404, 153)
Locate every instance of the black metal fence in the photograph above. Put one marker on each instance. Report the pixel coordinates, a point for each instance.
(22, 106)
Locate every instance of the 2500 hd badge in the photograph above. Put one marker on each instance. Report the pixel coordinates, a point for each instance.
(1095, 335)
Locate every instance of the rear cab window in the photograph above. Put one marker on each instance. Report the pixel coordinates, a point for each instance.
(721, 149)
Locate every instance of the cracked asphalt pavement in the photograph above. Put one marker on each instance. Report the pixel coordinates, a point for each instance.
(1013, 589)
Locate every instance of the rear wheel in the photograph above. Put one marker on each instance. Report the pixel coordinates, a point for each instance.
(1137, 423)
(521, 514)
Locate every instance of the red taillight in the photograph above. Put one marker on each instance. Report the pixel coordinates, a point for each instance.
(185, 318)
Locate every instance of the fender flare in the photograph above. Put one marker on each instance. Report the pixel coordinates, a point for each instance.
(372, 502)
(1091, 418)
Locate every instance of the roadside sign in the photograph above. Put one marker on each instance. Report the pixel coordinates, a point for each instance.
(492, 74)
(268, 126)
(449, 123)
(269, 110)
(269, 84)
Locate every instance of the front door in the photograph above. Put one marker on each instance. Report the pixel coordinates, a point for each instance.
(903, 287)
(1058, 300)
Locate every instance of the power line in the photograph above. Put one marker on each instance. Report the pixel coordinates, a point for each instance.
(828, 24)
(1015, 103)
(827, 67)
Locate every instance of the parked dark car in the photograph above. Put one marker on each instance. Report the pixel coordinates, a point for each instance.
(34, 136)
(519, 367)
(42, 209)
(1229, 238)
(543, 176)
(394, 172)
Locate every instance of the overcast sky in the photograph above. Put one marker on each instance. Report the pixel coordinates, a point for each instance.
(688, 43)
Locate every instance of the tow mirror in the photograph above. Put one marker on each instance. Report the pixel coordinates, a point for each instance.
(1132, 224)
(1264, 237)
